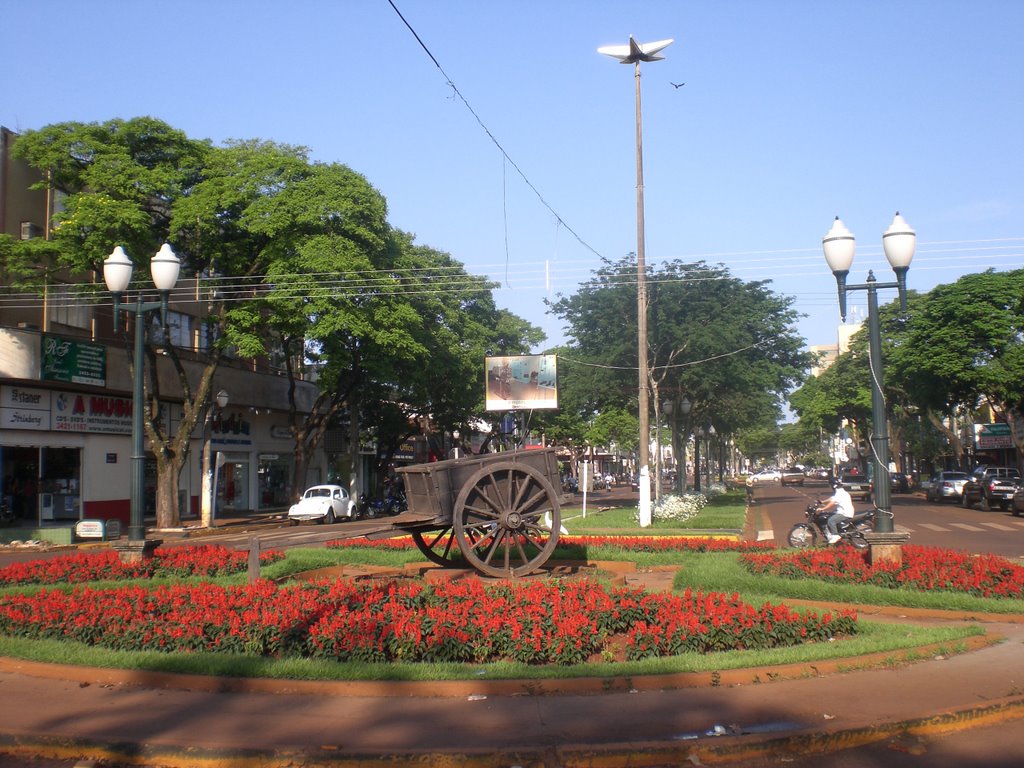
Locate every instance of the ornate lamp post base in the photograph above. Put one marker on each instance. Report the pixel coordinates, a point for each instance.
(886, 547)
(137, 551)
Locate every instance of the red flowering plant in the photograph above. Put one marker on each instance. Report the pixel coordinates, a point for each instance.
(566, 544)
(205, 560)
(924, 568)
(465, 621)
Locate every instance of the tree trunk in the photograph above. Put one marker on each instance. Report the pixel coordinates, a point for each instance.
(951, 435)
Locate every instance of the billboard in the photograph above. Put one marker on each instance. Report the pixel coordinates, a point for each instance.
(521, 382)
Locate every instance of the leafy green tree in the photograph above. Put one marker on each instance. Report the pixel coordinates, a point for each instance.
(299, 264)
(963, 345)
(728, 345)
(120, 180)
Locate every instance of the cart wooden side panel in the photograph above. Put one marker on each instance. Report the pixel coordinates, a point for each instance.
(499, 512)
(431, 489)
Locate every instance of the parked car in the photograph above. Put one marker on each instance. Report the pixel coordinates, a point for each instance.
(792, 476)
(1017, 501)
(946, 486)
(989, 486)
(766, 476)
(858, 486)
(323, 503)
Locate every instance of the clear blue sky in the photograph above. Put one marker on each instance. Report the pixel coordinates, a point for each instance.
(792, 113)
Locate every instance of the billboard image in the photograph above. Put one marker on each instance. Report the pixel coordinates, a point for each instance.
(521, 382)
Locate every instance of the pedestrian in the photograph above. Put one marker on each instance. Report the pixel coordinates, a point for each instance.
(750, 487)
(841, 502)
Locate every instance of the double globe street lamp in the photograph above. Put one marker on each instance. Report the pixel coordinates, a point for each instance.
(898, 242)
(117, 273)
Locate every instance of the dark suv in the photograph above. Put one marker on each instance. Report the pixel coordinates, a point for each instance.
(990, 486)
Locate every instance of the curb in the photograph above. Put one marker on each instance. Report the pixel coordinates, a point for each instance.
(433, 689)
(717, 750)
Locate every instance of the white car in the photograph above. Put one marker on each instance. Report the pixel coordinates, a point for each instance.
(767, 476)
(323, 503)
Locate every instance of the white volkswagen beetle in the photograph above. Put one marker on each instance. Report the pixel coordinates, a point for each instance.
(324, 503)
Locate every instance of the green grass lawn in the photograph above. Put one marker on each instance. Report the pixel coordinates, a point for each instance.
(724, 512)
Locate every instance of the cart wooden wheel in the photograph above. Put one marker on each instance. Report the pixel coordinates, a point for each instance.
(507, 519)
(438, 546)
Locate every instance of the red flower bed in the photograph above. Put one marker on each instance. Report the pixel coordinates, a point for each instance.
(536, 623)
(925, 568)
(624, 543)
(206, 560)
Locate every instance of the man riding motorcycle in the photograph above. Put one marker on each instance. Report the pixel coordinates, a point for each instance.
(841, 502)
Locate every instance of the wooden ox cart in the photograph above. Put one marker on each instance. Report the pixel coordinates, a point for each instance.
(500, 511)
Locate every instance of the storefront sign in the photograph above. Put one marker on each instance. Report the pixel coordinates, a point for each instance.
(24, 408)
(989, 436)
(77, 412)
(73, 361)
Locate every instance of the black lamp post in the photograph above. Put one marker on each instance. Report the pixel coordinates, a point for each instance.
(117, 273)
(898, 242)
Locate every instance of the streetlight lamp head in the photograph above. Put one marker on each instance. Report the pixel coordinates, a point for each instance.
(838, 245)
(165, 267)
(222, 399)
(634, 52)
(899, 242)
(117, 270)
(685, 405)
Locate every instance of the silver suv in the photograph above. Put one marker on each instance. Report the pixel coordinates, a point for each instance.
(990, 486)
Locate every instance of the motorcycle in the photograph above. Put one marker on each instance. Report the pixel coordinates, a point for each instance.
(395, 503)
(7, 516)
(368, 507)
(850, 529)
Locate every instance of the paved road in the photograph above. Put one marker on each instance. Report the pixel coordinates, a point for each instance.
(929, 524)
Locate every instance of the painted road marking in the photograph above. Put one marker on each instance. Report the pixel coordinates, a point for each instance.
(1000, 526)
(966, 527)
(934, 527)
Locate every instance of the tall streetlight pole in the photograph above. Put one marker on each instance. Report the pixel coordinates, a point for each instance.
(117, 273)
(634, 53)
(898, 242)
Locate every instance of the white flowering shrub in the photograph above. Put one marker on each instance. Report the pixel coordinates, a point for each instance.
(676, 508)
(715, 489)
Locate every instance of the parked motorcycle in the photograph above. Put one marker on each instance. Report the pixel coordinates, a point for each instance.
(6, 514)
(850, 529)
(369, 507)
(395, 503)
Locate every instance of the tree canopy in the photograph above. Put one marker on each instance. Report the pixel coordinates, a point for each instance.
(726, 344)
(299, 265)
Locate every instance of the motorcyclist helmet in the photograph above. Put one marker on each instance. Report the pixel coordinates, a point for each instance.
(835, 482)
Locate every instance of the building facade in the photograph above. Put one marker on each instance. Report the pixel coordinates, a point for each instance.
(66, 396)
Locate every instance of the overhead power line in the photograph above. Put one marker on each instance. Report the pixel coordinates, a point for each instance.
(531, 276)
(486, 130)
